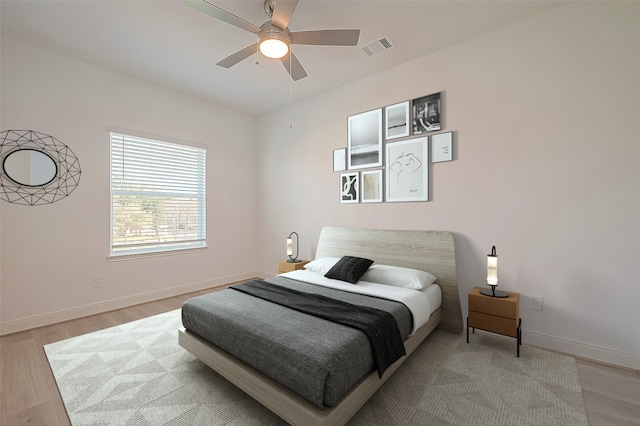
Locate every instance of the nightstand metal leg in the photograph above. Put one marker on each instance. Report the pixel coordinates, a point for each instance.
(519, 337)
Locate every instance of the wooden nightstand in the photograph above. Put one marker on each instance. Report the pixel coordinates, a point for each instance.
(284, 266)
(494, 314)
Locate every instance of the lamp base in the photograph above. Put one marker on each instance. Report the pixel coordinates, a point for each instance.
(494, 293)
(293, 260)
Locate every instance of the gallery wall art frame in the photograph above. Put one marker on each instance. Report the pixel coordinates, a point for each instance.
(350, 187)
(371, 183)
(364, 143)
(441, 149)
(407, 170)
(426, 114)
(397, 118)
(340, 160)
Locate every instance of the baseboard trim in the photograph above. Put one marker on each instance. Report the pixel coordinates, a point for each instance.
(51, 318)
(582, 350)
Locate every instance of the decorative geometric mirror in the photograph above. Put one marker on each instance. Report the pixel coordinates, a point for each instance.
(36, 168)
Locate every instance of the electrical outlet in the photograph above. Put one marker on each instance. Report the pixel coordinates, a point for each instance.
(536, 303)
(96, 282)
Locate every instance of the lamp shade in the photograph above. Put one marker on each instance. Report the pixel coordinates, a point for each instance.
(289, 246)
(492, 267)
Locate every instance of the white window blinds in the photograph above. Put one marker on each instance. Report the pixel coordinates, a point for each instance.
(158, 195)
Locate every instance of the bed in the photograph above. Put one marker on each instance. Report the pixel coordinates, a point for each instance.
(431, 251)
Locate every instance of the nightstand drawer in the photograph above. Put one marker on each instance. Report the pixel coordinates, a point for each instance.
(506, 326)
(508, 307)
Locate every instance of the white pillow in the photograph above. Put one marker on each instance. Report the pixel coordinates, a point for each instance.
(398, 276)
(322, 265)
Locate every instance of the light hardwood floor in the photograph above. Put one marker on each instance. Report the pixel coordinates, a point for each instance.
(29, 396)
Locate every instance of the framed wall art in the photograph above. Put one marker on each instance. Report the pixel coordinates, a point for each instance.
(441, 147)
(340, 160)
(426, 114)
(349, 187)
(407, 170)
(364, 149)
(371, 186)
(397, 120)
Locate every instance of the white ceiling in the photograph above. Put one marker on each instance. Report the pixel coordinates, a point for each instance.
(177, 47)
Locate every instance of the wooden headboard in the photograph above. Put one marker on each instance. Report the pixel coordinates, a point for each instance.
(431, 251)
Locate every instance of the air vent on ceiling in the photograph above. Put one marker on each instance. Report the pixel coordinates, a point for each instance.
(378, 46)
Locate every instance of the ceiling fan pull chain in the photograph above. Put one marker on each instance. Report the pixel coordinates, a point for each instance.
(290, 92)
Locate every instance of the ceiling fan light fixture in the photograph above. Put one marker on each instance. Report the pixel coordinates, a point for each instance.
(274, 48)
(274, 45)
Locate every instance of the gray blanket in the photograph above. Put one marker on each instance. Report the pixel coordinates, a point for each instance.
(318, 359)
(379, 326)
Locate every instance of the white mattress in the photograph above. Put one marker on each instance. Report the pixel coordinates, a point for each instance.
(421, 303)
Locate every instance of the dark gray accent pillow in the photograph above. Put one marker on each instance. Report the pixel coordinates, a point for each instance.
(349, 269)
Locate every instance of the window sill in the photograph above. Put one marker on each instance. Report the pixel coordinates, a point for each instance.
(137, 256)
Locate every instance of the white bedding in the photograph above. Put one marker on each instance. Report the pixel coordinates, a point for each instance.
(421, 303)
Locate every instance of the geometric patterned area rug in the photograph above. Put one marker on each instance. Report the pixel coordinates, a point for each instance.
(137, 374)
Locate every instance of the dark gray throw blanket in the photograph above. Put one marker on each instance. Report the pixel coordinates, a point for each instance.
(380, 327)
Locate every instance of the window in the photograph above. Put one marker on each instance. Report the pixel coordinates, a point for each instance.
(158, 195)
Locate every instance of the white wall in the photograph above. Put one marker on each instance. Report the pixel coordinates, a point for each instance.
(546, 116)
(51, 253)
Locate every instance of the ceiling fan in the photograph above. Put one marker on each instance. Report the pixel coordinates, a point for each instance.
(274, 37)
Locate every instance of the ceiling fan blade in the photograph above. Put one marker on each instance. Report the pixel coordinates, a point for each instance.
(297, 71)
(221, 14)
(282, 12)
(239, 56)
(326, 37)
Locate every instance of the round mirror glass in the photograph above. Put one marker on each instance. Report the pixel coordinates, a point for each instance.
(30, 167)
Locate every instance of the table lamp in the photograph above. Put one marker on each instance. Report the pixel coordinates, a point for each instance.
(492, 276)
(293, 259)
